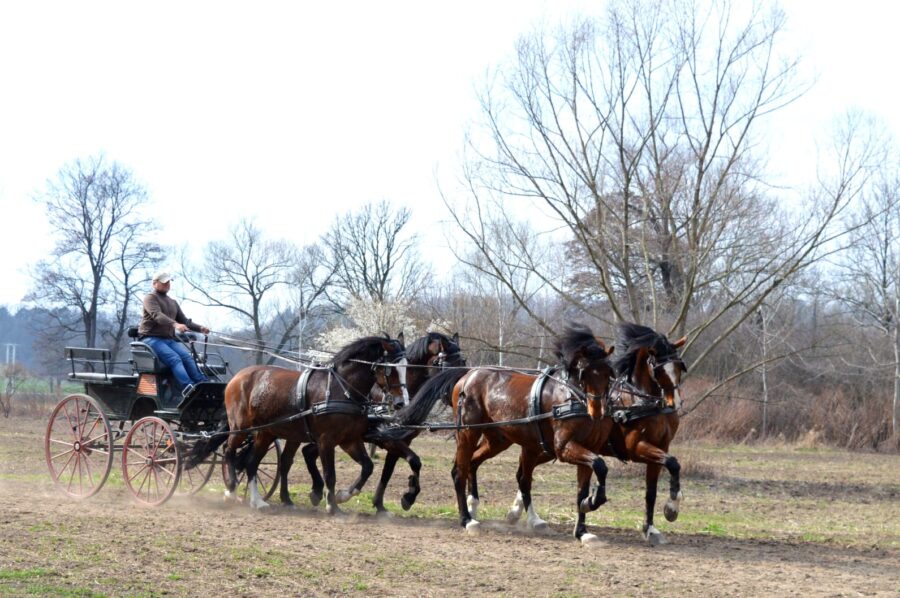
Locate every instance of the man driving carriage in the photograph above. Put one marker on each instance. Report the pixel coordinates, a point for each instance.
(161, 319)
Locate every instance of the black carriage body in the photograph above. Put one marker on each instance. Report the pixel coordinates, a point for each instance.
(148, 389)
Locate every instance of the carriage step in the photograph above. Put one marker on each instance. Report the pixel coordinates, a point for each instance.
(164, 413)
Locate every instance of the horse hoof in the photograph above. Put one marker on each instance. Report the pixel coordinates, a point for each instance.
(315, 498)
(384, 514)
(230, 496)
(655, 537)
(670, 512)
(260, 506)
(590, 541)
(334, 511)
(343, 495)
(407, 502)
(513, 516)
(473, 527)
(585, 506)
(541, 527)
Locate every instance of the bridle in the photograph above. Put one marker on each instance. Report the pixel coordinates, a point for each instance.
(387, 362)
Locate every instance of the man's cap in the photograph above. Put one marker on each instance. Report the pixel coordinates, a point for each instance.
(162, 277)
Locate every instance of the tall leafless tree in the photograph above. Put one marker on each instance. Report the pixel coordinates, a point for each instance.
(638, 135)
(102, 242)
(247, 275)
(374, 254)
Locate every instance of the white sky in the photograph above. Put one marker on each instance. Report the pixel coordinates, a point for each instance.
(293, 112)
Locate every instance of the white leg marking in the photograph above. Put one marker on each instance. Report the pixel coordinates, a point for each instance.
(515, 511)
(256, 501)
(590, 541)
(654, 536)
(534, 521)
(473, 527)
(472, 503)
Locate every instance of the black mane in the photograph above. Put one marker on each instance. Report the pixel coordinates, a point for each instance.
(633, 337)
(367, 348)
(574, 338)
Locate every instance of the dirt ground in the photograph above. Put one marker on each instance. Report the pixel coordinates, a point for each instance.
(109, 546)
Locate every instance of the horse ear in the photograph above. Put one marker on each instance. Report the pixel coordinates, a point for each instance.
(455, 337)
(611, 350)
(680, 342)
(400, 336)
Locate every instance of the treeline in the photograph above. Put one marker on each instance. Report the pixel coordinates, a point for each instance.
(617, 172)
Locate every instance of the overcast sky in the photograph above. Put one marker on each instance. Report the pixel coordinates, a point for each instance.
(293, 112)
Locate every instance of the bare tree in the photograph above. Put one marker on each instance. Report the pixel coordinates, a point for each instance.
(94, 208)
(637, 134)
(14, 375)
(868, 281)
(374, 256)
(247, 275)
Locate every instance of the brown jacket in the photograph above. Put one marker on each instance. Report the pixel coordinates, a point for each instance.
(161, 312)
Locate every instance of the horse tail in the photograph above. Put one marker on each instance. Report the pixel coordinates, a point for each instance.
(206, 446)
(437, 388)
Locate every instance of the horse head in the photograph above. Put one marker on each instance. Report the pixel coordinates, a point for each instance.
(585, 360)
(652, 362)
(381, 356)
(449, 354)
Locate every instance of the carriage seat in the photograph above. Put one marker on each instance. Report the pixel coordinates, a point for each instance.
(94, 365)
(145, 360)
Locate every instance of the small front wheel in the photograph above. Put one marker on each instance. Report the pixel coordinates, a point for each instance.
(151, 461)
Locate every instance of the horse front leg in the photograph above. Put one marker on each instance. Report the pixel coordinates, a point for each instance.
(287, 460)
(357, 451)
(326, 453)
(656, 458)
(310, 454)
(395, 450)
(589, 464)
(584, 488)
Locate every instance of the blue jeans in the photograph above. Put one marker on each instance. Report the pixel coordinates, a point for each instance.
(175, 355)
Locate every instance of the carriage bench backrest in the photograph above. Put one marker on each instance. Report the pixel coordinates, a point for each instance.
(91, 364)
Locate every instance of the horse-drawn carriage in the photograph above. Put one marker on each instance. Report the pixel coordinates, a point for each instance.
(141, 408)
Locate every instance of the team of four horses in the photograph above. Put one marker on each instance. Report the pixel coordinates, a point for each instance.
(582, 408)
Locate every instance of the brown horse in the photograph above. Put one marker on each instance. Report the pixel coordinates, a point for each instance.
(644, 403)
(558, 414)
(425, 356)
(326, 405)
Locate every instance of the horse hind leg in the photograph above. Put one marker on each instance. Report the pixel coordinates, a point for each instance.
(490, 445)
(310, 454)
(230, 455)
(260, 448)
(653, 536)
(525, 477)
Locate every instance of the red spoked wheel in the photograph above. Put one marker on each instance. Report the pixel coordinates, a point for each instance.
(192, 480)
(266, 473)
(78, 446)
(151, 461)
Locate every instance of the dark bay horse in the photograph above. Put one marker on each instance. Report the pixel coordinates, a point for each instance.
(425, 356)
(333, 399)
(644, 403)
(558, 414)
(649, 401)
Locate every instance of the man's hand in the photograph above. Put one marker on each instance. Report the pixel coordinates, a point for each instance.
(204, 330)
(180, 327)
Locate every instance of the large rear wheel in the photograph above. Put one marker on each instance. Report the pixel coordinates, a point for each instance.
(266, 473)
(78, 446)
(151, 461)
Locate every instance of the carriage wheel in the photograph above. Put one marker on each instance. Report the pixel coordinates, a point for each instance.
(266, 473)
(192, 480)
(151, 461)
(78, 446)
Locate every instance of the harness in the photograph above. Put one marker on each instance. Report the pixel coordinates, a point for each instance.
(648, 406)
